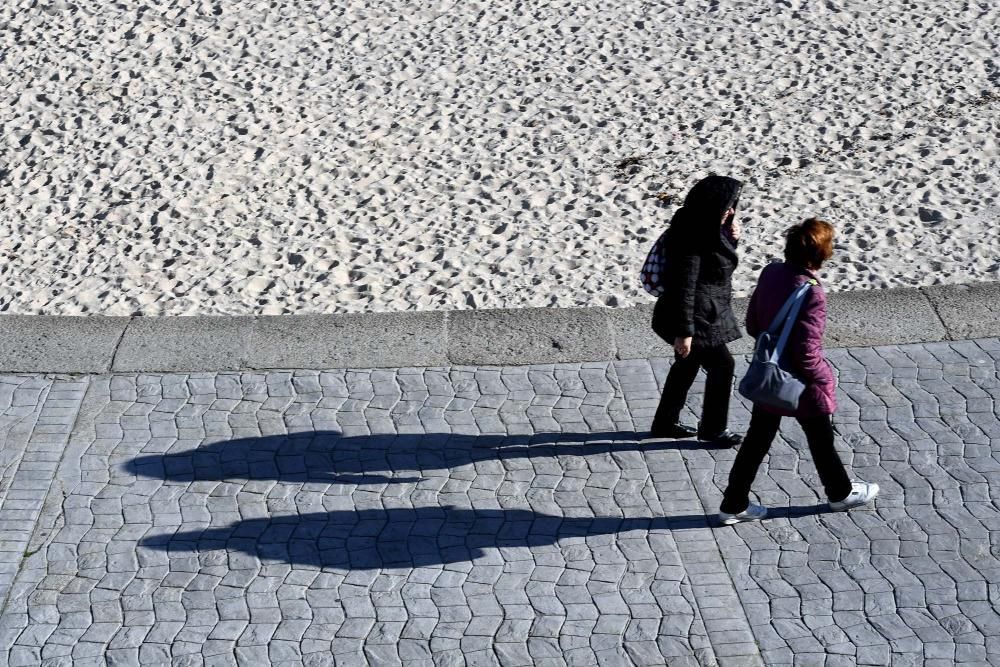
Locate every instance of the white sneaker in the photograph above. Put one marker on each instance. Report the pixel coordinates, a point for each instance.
(861, 493)
(751, 513)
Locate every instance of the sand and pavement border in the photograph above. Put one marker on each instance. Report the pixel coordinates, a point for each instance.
(99, 344)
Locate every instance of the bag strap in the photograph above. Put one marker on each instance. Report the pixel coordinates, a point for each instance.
(794, 304)
(779, 319)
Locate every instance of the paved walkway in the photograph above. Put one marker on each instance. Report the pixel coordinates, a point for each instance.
(489, 516)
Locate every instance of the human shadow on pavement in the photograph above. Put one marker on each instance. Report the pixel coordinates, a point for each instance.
(797, 511)
(397, 537)
(385, 538)
(410, 537)
(330, 457)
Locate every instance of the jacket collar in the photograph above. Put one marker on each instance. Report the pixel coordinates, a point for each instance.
(801, 270)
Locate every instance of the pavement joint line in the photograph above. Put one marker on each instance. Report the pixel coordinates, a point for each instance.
(615, 353)
(948, 334)
(245, 357)
(445, 319)
(118, 344)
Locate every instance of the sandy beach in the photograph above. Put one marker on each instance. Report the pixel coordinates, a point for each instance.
(311, 157)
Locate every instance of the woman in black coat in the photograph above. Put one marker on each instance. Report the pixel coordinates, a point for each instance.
(695, 313)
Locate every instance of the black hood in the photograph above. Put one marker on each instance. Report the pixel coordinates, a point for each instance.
(705, 204)
(713, 195)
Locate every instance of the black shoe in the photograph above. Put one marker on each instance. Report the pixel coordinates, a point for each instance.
(676, 431)
(725, 439)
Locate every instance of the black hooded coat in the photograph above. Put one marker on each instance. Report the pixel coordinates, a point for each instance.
(701, 260)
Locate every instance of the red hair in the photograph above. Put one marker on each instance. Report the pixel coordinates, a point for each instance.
(809, 243)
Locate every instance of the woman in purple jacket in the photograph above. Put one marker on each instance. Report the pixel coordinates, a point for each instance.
(808, 245)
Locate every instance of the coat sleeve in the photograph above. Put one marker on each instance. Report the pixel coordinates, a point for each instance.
(806, 346)
(688, 268)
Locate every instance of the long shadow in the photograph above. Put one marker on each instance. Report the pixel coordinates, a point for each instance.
(375, 538)
(330, 457)
(380, 538)
(405, 538)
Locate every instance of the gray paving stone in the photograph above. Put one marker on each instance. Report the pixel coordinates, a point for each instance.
(232, 536)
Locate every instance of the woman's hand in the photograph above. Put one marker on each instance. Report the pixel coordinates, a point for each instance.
(682, 346)
(731, 225)
(734, 229)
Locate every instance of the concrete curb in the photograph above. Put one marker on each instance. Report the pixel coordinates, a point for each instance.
(95, 344)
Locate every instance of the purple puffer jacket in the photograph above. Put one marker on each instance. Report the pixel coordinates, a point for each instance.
(803, 356)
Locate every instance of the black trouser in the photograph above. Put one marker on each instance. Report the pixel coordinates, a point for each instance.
(760, 435)
(719, 366)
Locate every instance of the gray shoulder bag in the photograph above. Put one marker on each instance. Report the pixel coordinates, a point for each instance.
(765, 382)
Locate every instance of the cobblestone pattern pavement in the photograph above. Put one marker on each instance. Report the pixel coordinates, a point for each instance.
(418, 516)
(915, 582)
(510, 516)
